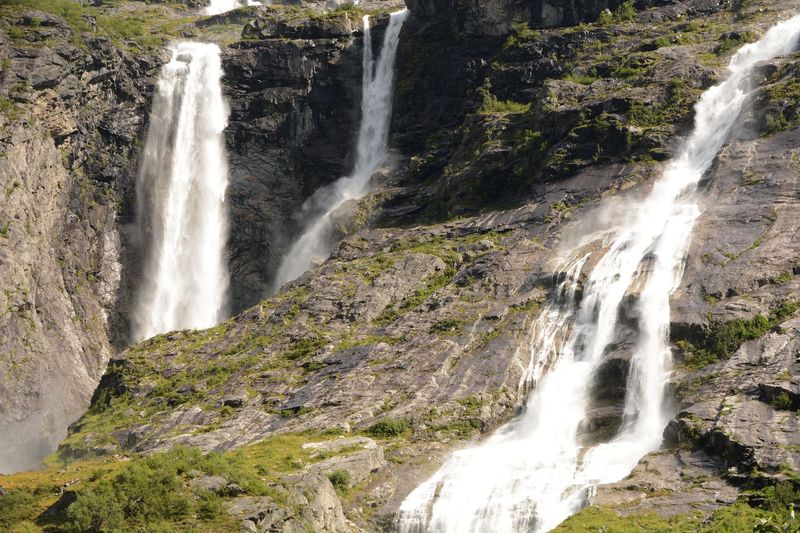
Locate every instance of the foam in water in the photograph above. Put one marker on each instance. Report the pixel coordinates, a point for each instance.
(373, 137)
(181, 187)
(536, 471)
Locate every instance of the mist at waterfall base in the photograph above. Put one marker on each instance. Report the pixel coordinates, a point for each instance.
(181, 187)
(217, 7)
(371, 150)
(539, 469)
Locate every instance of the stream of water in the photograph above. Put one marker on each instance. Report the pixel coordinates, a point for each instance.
(539, 469)
(373, 136)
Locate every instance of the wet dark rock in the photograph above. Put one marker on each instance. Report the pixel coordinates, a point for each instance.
(293, 110)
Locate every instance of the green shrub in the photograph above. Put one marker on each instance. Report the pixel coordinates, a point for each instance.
(780, 497)
(15, 33)
(492, 106)
(624, 13)
(732, 42)
(450, 326)
(781, 401)
(520, 34)
(209, 506)
(605, 18)
(726, 338)
(305, 347)
(143, 492)
(722, 339)
(340, 479)
(388, 427)
(13, 507)
(6, 105)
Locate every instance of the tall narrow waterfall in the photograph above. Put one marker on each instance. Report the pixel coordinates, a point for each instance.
(371, 149)
(536, 471)
(181, 197)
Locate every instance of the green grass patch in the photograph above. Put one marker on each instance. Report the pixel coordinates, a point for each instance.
(388, 428)
(450, 326)
(491, 105)
(340, 479)
(770, 510)
(722, 339)
(152, 493)
(734, 41)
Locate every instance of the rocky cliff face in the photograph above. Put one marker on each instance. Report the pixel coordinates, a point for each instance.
(355, 381)
(499, 17)
(294, 85)
(69, 129)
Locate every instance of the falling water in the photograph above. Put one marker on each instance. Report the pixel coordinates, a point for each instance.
(217, 7)
(181, 197)
(536, 471)
(371, 149)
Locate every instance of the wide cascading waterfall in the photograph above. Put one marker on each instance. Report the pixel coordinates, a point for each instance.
(538, 469)
(371, 150)
(181, 187)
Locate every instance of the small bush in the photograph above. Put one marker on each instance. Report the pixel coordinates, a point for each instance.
(723, 339)
(305, 347)
(734, 41)
(143, 492)
(209, 506)
(624, 13)
(492, 106)
(451, 326)
(340, 479)
(726, 338)
(388, 427)
(782, 402)
(13, 507)
(6, 105)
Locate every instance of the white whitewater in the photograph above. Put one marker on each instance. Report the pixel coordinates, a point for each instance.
(535, 472)
(371, 149)
(217, 7)
(181, 197)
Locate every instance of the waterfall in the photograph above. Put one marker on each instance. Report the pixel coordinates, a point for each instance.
(371, 149)
(217, 7)
(536, 471)
(181, 197)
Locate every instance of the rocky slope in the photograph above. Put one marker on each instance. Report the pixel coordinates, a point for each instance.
(356, 380)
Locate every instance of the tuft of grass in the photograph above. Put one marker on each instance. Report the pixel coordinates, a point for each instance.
(624, 13)
(450, 326)
(734, 41)
(340, 479)
(493, 106)
(781, 402)
(388, 428)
